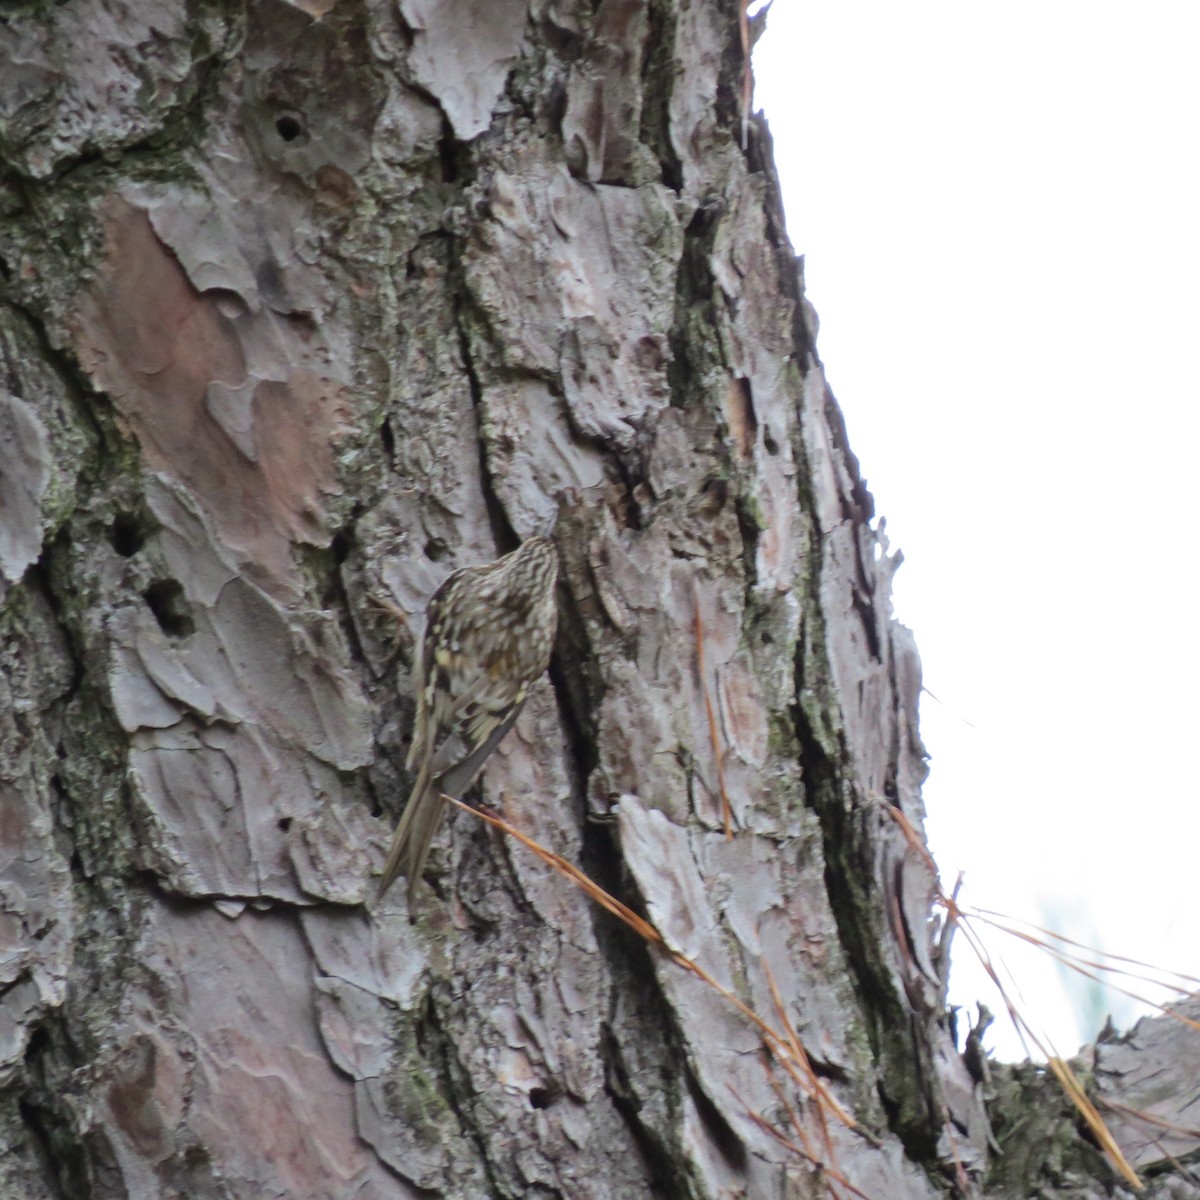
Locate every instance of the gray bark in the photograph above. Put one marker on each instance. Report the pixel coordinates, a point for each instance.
(301, 306)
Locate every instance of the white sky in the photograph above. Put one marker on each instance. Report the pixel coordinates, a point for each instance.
(999, 208)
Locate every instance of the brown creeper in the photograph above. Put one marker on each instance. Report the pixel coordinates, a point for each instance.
(489, 631)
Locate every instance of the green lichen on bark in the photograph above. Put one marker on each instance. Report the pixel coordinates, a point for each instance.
(1042, 1147)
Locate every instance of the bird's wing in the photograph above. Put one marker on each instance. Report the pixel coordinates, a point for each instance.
(425, 729)
(456, 764)
(450, 770)
(421, 747)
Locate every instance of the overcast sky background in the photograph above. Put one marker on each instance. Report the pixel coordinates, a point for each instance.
(999, 209)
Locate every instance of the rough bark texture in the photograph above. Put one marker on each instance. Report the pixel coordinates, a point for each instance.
(303, 305)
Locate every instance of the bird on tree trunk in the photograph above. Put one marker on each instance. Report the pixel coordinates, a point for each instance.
(489, 631)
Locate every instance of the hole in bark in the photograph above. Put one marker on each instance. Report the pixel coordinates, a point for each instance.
(448, 155)
(289, 126)
(436, 550)
(388, 439)
(39, 1043)
(125, 535)
(769, 443)
(890, 790)
(714, 494)
(540, 1097)
(284, 823)
(340, 545)
(165, 600)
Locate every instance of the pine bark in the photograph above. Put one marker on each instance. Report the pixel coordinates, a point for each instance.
(302, 305)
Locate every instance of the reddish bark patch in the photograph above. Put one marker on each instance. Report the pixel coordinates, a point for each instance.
(131, 1100)
(181, 368)
(743, 423)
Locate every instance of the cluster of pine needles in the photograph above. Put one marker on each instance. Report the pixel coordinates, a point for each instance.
(783, 1050)
(1099, 966)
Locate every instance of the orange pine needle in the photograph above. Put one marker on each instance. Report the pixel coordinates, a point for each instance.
(776, 1042)
(1139, 1114)
(800, 1056)
(799, 1151)
(1062, 1072)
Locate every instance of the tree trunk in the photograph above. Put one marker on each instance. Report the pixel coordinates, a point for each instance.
(303, 306)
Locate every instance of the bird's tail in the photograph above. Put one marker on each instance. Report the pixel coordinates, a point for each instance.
(414, 836)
